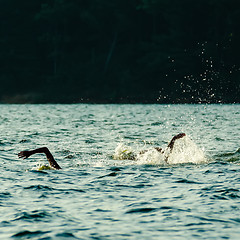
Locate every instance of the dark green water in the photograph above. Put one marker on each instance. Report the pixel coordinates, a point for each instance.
(97, 197)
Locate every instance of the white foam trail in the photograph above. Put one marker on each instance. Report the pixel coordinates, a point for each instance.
(123, 152)
(183, 151)
(151, 156)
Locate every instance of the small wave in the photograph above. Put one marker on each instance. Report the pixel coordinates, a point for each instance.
(217, 192)
(28, 234)
(37, 171)
(227, 193)
(235, 220)
(5, 195)
(67, 191)
(186, 181)
(112, 174)
(162, 208)
(42, 188)
(39, 187)
(90, 140)
(65, 235)
(116, 169)
(70, 156)
(219, 139)
(24, 141)
(65, 152)
(211, 220)
(32, 216)
(156, 123)
(141, 210)
(229, 156)
(131, 186)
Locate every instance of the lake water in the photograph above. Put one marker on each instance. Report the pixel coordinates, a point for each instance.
(95, 196)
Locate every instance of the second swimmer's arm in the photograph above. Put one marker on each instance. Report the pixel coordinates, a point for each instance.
(171, 144)
(50, 158)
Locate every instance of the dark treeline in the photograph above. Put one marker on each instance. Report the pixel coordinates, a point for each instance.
(179, 51)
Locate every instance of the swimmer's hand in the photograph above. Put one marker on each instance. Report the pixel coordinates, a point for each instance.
(50, 158)
(24, 154)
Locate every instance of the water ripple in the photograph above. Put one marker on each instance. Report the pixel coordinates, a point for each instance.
(39, 188)
(29, 234)
(37, 215)
(142, 210)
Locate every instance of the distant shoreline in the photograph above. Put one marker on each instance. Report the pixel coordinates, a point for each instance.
(32, 98)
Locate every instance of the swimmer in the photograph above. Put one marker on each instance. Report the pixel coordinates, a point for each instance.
(54, 164)
(170, 145)
(122, 154)
(50, 158)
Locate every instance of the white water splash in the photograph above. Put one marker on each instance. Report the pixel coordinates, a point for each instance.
(42, 167)
(151, 156)
(183, 151)
(123, 152)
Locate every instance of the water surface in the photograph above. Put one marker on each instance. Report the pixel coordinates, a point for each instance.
(97, 197)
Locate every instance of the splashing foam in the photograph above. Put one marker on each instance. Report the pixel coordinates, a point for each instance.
(183, 151)
(151, 156)
(123, 152)
(40, 167)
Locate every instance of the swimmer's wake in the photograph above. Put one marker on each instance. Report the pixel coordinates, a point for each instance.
(181, 149)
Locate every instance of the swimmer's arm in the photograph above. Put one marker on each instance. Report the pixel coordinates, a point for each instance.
(171, 144)
(50, 158)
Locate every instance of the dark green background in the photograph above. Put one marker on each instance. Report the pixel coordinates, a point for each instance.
(111, 51)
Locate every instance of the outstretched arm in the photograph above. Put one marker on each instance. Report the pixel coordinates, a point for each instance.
(50, 158)
(171, 144)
